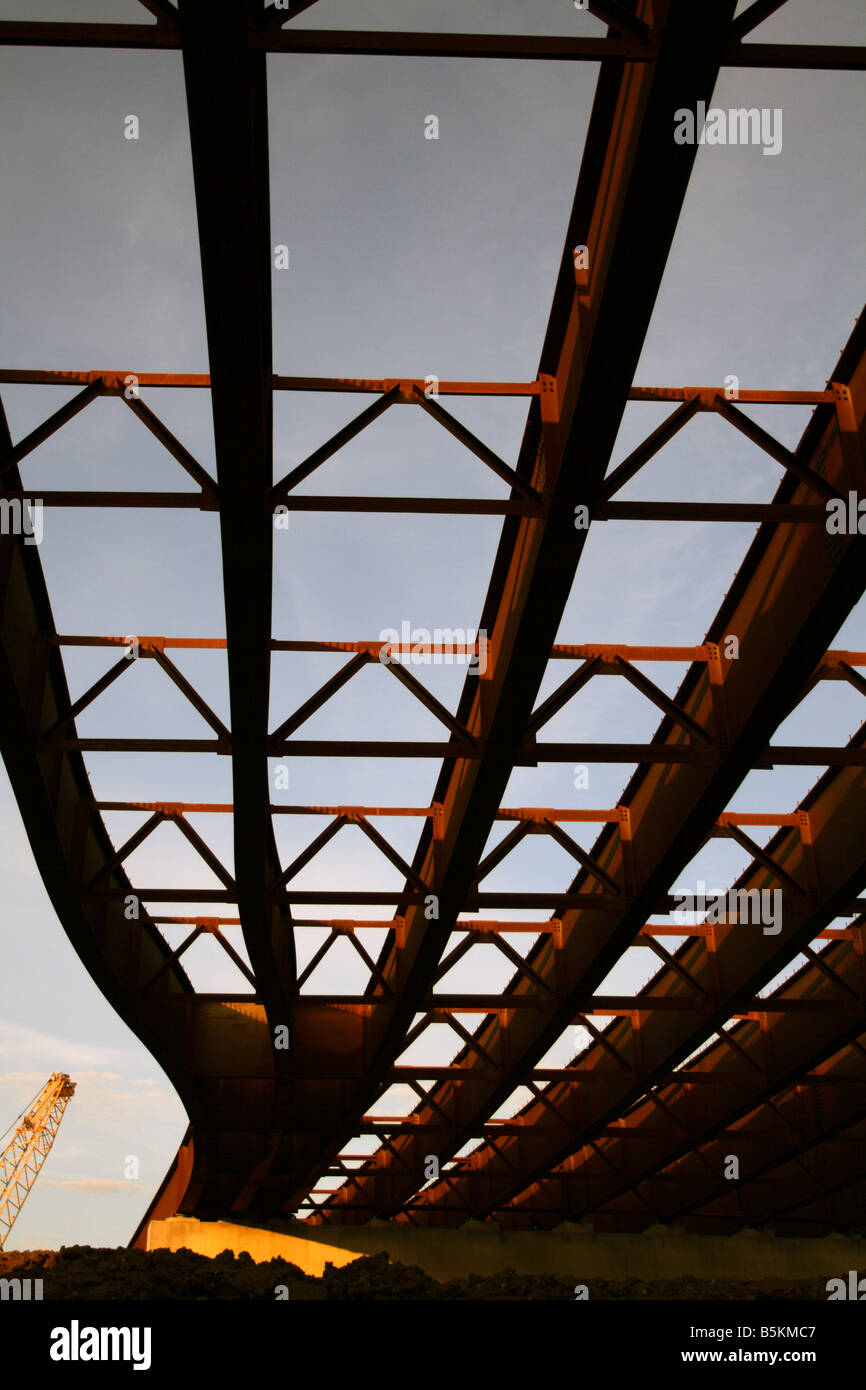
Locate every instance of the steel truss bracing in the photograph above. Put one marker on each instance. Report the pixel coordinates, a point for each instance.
(712, 1055)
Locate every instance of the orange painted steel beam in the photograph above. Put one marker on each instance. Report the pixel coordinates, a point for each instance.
(115, 382)
(562, 651)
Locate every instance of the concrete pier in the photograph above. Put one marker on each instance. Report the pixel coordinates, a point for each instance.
(483, 1248)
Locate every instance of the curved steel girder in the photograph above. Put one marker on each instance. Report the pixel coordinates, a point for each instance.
(209, 1050)
(791, 1152)
(815, 1156)
(70, 843)
(227, 105)
(219, 1056)
(170, 1193)
(632, 184)
(730, 966)
(807, 1183)
(838, 1205)
(764, 1059)
(783, 633)
(226, 91)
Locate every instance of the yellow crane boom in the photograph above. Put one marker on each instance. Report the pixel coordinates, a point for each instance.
(27, 1151)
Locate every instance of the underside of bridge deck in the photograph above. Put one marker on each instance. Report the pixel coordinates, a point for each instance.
(715, 1056)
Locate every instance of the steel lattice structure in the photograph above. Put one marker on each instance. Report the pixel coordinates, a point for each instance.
(29, 1147)
(633, 1131)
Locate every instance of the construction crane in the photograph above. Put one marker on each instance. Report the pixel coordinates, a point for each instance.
(23, 1157)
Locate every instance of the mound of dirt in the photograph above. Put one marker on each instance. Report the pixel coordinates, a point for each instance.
(85, 1272)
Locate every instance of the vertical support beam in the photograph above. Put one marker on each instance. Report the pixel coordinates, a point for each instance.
(721, 721)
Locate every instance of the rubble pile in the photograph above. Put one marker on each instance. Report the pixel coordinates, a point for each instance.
(85, 1272)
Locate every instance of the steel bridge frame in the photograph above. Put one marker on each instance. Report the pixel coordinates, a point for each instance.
(635, 1129)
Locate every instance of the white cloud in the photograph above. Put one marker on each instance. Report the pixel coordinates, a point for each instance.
(92, 1184)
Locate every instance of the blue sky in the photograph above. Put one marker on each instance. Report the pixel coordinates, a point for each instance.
(408, 257)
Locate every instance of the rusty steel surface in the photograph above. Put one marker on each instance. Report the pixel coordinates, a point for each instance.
(713, 1050)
